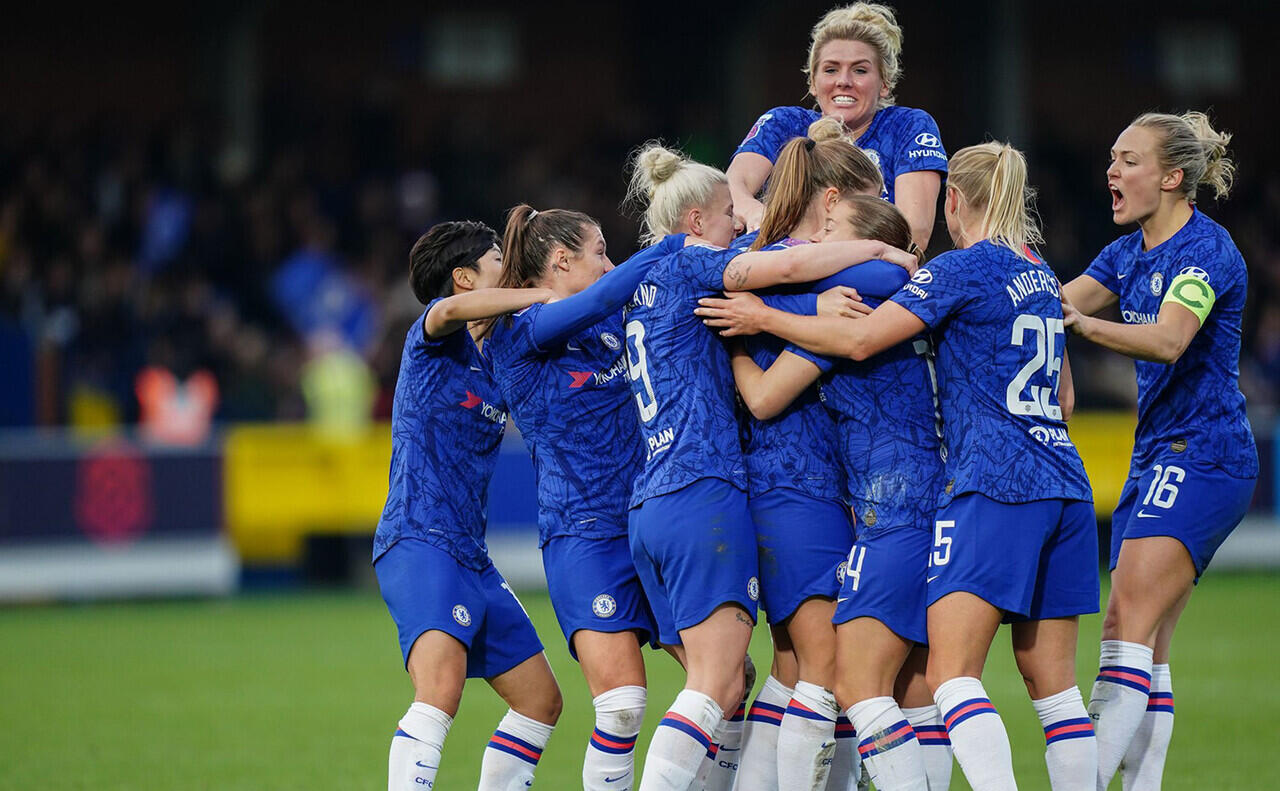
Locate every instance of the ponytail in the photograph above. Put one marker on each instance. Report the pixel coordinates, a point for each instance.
(528, 240)
(992, 178)
(825, 158)
(1190, 143)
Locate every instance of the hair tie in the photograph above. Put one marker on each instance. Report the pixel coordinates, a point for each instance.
(809, 143)
(532, 213)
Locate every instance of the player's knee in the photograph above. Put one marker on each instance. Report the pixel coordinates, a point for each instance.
(845, 692)
(553, 706)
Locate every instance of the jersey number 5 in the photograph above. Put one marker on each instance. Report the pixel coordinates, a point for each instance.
(638, 371)
(1046, 333)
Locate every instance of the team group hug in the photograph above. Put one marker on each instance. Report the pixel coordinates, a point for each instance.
(778, 405)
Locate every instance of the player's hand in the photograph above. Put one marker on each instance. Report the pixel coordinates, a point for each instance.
(739, 313)
(908, 261)
(749, 214)
(1072, 319)
(842, 301)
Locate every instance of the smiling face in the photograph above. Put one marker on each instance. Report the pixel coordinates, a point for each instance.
(847, 82)
(1135, 176)
(588, 264)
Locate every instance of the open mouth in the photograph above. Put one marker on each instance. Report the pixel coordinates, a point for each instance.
(1117, 199)
(843, 101)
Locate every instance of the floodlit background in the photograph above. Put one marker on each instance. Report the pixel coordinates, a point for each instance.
(205, 216)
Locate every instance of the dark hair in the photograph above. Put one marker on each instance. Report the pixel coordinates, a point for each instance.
(531, 235)
(443, 249)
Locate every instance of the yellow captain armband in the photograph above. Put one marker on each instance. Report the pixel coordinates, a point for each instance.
(1192, 293)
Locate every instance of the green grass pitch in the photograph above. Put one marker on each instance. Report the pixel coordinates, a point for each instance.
(303, 691)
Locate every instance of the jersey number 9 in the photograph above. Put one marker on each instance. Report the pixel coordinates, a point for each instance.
(638, 371)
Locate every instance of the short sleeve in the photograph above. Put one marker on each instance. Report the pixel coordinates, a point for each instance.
(919, 144)
(424, 341)
(1103, 268)
(825, 364)
(937, 291)
(772, 130)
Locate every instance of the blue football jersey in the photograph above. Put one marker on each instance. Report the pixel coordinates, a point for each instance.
(997, 321)
(680, 377)
(795, 449)
(447, 421)
(889, 426)
(572, 405)
(899, 140)
(1193, 407)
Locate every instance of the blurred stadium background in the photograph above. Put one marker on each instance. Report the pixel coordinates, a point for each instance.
(205, 213)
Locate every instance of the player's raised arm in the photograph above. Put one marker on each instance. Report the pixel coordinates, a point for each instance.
(805, 263)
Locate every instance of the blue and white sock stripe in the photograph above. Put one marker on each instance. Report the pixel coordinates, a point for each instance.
(513, 745)
(844, 728)
(615, 745)
(1076, 728)
(765, 712)
(932, 735)
(712, 750)
(797, 709)
(400, 732)
(688, 727)
(895, 735)
(1130, 677)
(1160, 701)
(969, 708)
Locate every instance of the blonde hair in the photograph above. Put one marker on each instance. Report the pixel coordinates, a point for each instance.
(667, 183)
(1190, 143)
(872, 24)
(992, 178)
(826, 158)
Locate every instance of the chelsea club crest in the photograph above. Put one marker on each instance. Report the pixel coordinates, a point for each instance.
(604, 606)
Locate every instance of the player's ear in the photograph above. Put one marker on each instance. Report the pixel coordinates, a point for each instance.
(695, 221)
(1172, 180)
(560, 259)
(830, 198)
(464, 279)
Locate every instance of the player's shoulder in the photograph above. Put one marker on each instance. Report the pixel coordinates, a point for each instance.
(900, 121)
(788, 121)
(1209, 237)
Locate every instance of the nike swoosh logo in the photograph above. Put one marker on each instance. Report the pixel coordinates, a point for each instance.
(616, 779)
(931, 579)
(472, 367)
(425, 766)
(842, 599)
(1121, 277)
(1145, 515)
(572, 348)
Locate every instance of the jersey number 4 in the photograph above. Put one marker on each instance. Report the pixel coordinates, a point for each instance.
(1045, 333)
